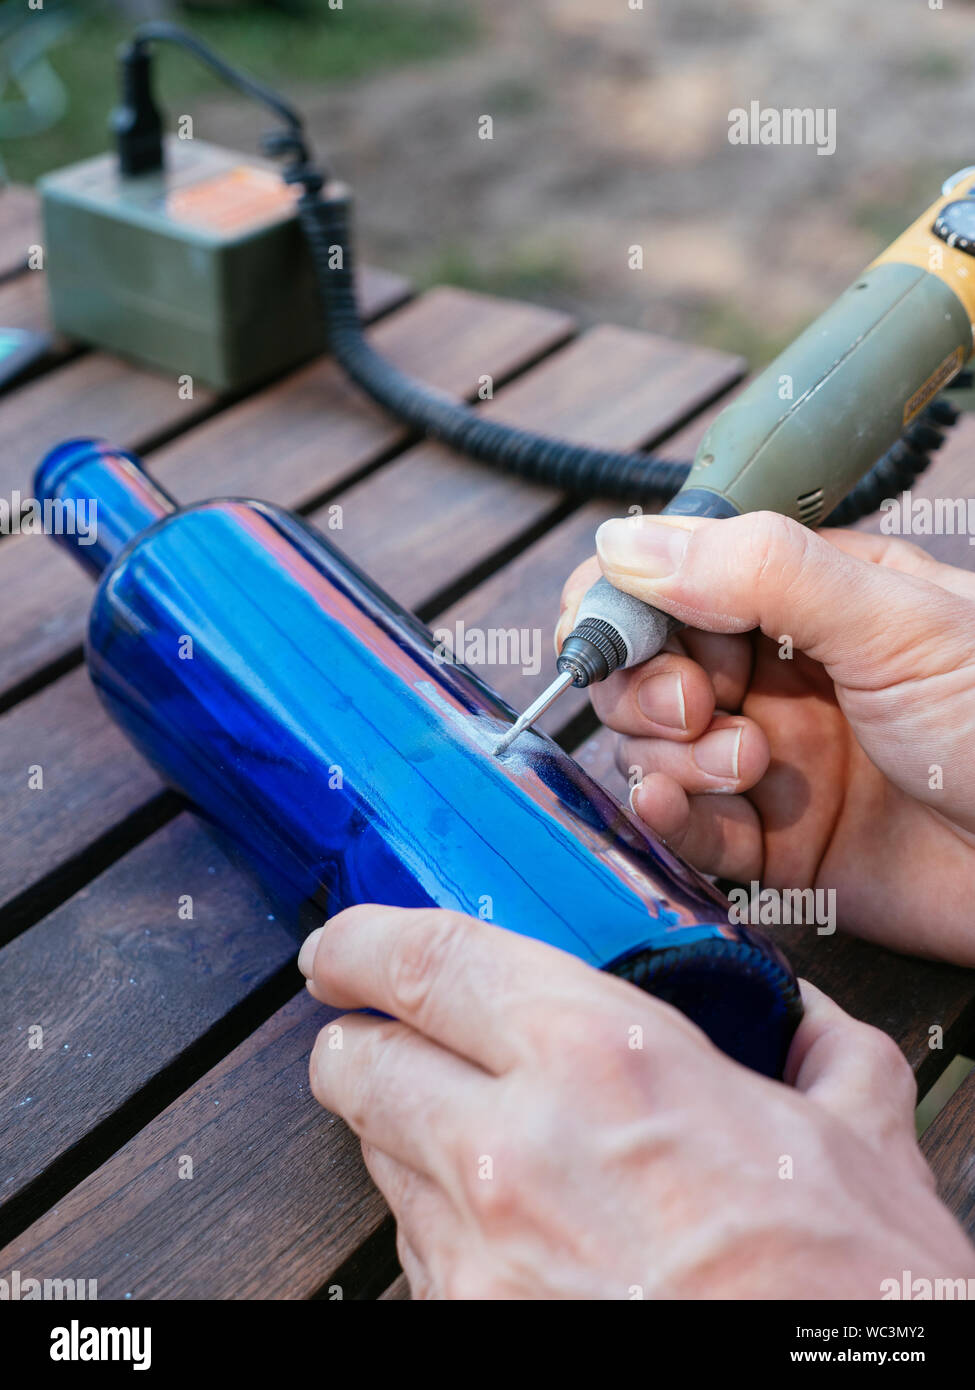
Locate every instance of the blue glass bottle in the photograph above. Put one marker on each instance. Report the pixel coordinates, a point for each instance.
(316, 723)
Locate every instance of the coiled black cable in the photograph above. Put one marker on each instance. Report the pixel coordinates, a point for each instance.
(637, 478)
(900, 467)
(573, 468)
(569, 467)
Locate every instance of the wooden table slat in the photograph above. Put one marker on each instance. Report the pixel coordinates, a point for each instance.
(92, 781)
(278, 1200)
(949, 1146)
(123, 983)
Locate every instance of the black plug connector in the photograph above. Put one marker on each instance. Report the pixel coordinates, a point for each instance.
(136, 122)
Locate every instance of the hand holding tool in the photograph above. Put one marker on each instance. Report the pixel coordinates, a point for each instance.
(813, 423)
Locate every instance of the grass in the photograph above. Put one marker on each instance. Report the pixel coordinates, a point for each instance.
(723, 324)
(937, 65)
(907, 193)
(532, 268)
(321, 45)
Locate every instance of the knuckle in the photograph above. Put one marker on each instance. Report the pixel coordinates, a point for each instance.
(905, 555)
(424, 945)
(343, 924)
(497, 1183)
(887, 1072)
(572, 1038)
(612, 1054)
(888, 1064)
(775, 546)
(339, 937)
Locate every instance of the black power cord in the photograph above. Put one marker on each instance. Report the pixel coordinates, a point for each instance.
(324, 212)
(136, 121)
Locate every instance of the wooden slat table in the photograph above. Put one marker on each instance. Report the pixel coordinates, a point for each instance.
(165, 1038)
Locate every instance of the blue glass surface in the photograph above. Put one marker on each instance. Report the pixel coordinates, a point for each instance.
(123, 500)
(310, 717)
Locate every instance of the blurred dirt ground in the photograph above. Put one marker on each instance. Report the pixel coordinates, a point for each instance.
(611, 129)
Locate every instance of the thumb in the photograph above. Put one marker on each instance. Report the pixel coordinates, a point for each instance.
(868, 625)
(853, 1070)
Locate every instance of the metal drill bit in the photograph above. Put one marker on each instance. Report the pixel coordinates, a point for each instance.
(548, 697)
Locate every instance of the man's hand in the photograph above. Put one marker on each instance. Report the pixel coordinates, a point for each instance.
(830, 748)
(541, 1130)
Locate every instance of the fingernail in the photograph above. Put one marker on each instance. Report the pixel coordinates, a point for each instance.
(717, 753)
(306, 956)
(633, 791)
(651, 547)
(661, 698)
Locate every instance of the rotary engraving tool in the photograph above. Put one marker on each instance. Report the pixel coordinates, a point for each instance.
(813, 422)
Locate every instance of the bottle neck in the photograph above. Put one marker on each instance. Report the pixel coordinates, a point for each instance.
(96, 499)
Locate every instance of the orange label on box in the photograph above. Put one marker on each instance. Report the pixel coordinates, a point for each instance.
(242, 197)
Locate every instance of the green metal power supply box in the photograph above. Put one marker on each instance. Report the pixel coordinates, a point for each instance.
(200, 270)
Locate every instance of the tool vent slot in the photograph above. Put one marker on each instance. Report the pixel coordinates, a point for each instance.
(810, 505)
